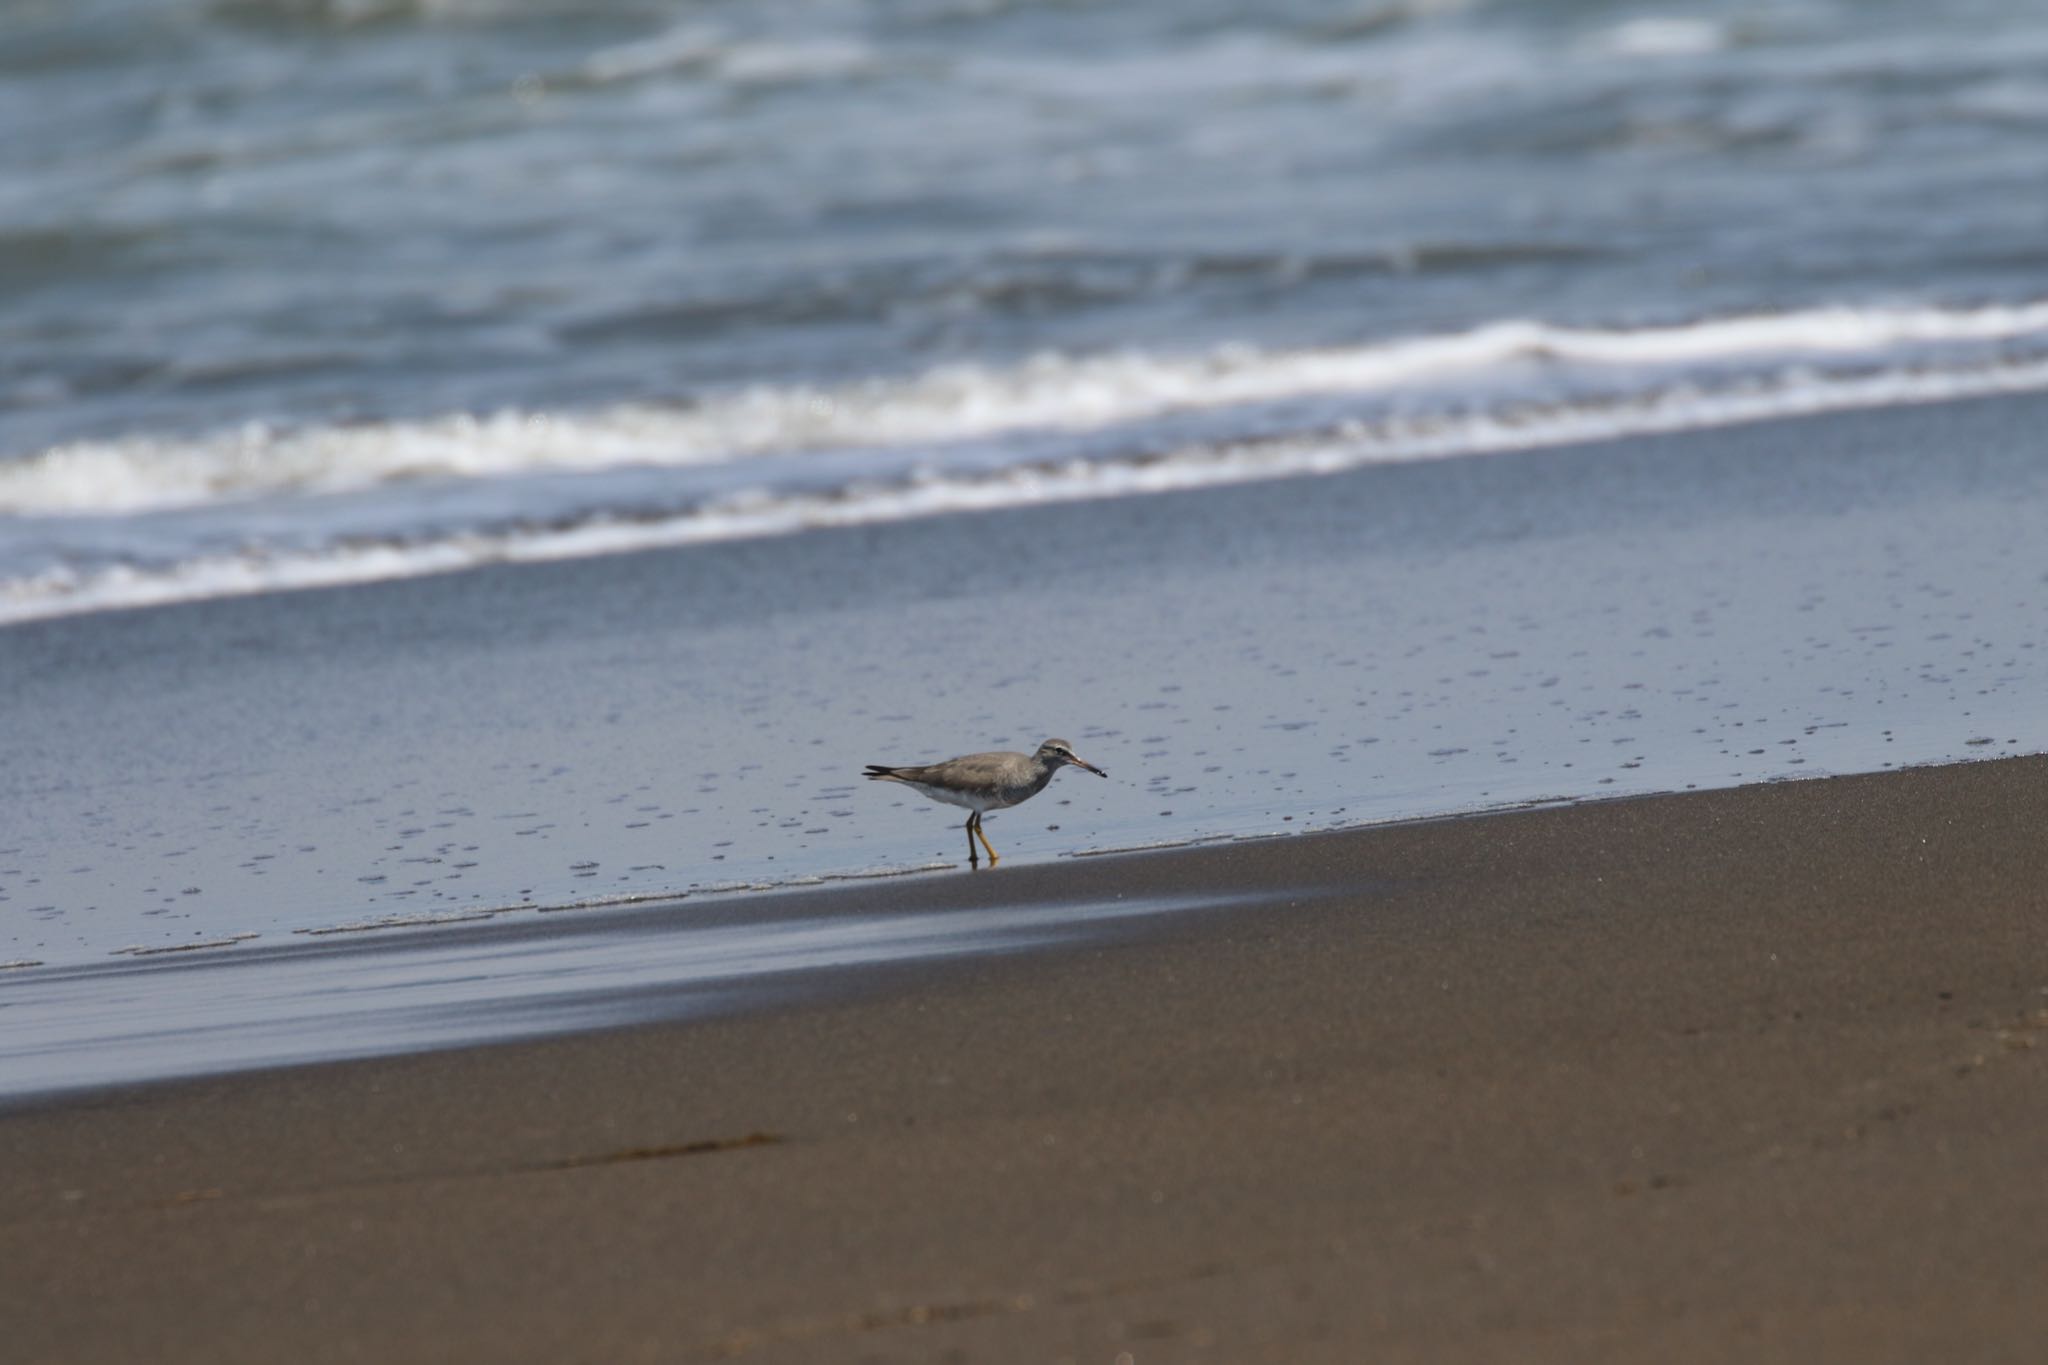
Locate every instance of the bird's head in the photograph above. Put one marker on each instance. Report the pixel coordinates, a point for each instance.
(1060, 753)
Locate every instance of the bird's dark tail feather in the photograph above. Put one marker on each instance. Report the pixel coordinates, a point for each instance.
(878, 770)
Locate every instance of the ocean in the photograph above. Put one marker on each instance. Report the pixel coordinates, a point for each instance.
(466, 464)
(303, 292)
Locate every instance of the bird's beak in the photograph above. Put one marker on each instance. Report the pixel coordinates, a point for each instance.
(1082, 763)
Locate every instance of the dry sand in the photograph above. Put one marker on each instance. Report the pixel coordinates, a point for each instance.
(1748, 1075)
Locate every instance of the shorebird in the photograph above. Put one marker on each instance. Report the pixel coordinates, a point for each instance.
(984, 782)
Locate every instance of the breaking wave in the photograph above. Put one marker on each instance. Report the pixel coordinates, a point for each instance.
(142, 520)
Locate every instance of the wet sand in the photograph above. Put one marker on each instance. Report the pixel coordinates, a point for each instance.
(1753, 1074)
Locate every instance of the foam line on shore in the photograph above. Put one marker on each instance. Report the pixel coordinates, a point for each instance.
(964, 402)
(405, 541)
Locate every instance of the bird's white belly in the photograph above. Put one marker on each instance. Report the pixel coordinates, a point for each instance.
(974, 801)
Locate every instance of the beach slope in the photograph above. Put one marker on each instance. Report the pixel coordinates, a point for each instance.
(1753, 1074)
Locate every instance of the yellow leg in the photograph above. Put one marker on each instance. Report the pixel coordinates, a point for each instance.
(983, 836)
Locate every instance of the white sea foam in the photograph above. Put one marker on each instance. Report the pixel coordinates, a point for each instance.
(1662, 36)
(681, 48)
(363, 503)
(704, 48)
(952, 403)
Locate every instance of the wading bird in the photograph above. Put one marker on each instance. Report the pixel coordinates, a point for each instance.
(985, 782)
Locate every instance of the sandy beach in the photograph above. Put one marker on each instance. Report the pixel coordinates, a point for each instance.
(1749, 1074)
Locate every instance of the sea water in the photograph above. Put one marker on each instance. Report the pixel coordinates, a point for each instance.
(303, 292)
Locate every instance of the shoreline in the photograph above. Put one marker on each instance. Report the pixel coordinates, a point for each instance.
(378, 990)
(1750, 1070)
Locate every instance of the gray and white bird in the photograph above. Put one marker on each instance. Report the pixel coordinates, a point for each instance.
(985, 782)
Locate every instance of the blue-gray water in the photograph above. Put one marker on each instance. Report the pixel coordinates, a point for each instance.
(304, 291)
(1833, 594)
